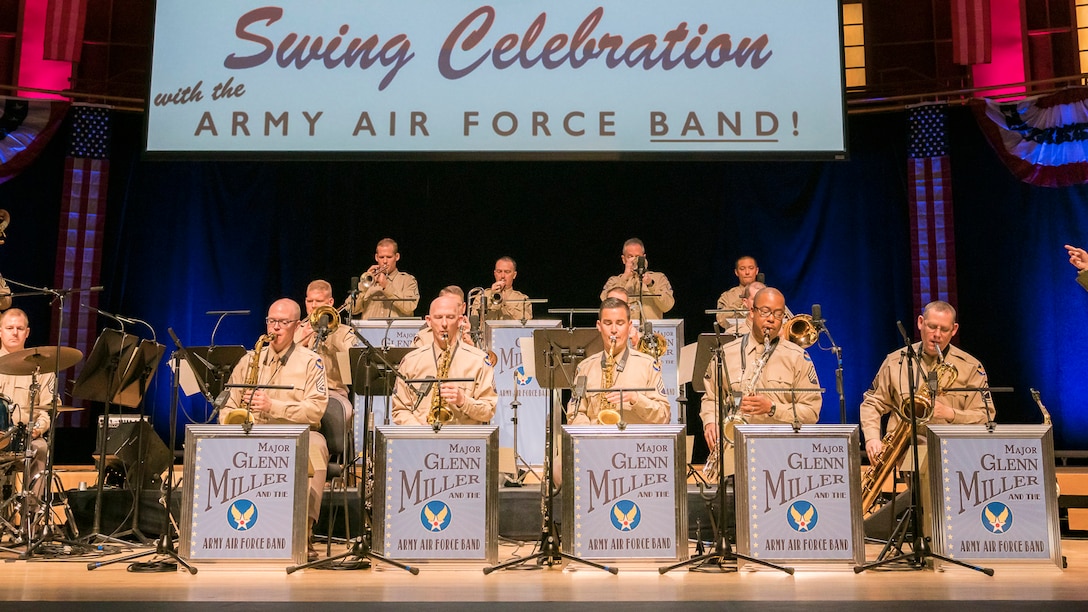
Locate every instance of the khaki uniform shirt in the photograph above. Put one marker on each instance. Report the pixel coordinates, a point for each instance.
(658, 285)
(17, 389)
(511, 308)
(634, 370)
(338, 341)
(891, 382)
(733, 323)
(467, 362)
(401, 286)
(789, 367)
(298, 366)
(1082, 278)
(425, 337)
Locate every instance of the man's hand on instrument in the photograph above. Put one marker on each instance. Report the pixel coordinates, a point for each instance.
(710, 432)
(873, 449)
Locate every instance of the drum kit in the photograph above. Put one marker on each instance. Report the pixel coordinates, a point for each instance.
(17, 441)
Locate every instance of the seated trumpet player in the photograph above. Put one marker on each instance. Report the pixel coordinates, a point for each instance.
(501, 302)
(451, 403)
(619, 367)
(755, 363)
(890, 393)
(321, 332)
(385, 291)
(278, 360)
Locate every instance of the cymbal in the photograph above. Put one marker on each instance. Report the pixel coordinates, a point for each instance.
(28, 361)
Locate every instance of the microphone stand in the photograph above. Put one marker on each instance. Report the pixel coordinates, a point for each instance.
(722, 552)
(836, 350)
(912, 518)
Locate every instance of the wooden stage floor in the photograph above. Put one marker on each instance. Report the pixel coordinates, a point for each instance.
(57, 584)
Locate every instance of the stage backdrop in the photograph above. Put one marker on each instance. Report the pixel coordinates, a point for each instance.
(186, 237)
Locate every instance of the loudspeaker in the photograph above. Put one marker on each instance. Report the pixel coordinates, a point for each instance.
(133, 442)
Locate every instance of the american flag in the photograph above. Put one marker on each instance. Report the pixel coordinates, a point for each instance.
(929, 179)
(82, 223)
(971, 32)
(64, 22)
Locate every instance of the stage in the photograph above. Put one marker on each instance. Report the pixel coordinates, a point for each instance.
(57, 584)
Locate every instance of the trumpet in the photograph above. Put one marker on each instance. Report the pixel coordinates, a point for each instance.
(369, 278)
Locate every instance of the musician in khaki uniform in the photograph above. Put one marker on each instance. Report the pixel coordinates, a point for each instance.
(787, 367)
(657, 298)
(392, 293)
(425, 335)
(937, 325)
(1079, 258)
(14, 330)
(471, 403)
(632, 370)
(746, 270)
(511, 304)
(336, 342)
(283, 362)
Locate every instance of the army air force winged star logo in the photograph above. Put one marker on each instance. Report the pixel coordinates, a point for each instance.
(435, 516)
(802, 516)
(996, 517)
(625, 515)
(242, 515)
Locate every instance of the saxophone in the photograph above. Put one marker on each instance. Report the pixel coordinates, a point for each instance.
(608, 415)
(242, 415)
(896, 442)
(734, 418)
(441, 413)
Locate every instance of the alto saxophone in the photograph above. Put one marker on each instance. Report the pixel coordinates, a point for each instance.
(734, 418)
(441, 413)
(242, 414)
(608, 415)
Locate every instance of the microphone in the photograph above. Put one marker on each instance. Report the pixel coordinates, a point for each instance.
(761, 278)
(817, 316)
(118, 318)
(423, 391)
(354, 286)
(221, 399)
(577, 396)
(640, 264)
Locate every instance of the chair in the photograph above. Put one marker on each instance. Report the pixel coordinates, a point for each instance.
(334, 427)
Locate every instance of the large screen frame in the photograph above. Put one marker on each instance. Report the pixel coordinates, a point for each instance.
(506, 80)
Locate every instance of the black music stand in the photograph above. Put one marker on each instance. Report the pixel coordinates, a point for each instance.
(99, 381)
(212, 365)
(722, 552)
(366, 364)
(557, 353)
(133, 386)
(912, 516)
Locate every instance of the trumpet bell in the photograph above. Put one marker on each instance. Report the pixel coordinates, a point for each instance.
(800, 330)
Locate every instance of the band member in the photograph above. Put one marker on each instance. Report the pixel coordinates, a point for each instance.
(425, 336)
(621, 294)
(740, 322)
(937, 325)
(14, 330)
(464, 403)
(654, 287)
(619, 367)
(385, 291)
(758, 362)
(1079, 258)
(283, 362)
(334, 339)
(746, 271)
(502, 301)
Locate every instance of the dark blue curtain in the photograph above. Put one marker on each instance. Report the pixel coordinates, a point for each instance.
(187, 237)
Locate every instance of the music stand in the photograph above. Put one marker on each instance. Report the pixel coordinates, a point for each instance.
(213, 365)
(133, 385)
(556, 351)
(366, 363)
(99, 381)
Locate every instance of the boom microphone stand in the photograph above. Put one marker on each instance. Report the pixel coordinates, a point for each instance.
(912, 517)
(722, 553)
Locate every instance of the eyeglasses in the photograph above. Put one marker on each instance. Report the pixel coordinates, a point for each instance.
(767, 313)
(280, 322)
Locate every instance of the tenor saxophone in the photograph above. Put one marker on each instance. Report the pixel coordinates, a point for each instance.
(734, 418)
(242, 414)
(608, 415)
(441, 413)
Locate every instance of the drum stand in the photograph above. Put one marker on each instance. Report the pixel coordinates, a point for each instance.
(550, 354)
(911, 520)
(722, 555)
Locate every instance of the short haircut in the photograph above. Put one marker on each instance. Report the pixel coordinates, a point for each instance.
(742, 258)
(939, 306)
(614, 303)
(453, 290)
(510, 259)
(634, 242)
(389, 242)
(626, 296)
(15, 312)
(319, 285)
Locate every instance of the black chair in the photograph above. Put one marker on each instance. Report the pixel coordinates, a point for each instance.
(337, 433)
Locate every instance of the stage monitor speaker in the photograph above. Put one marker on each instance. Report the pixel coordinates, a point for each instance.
(131, 442)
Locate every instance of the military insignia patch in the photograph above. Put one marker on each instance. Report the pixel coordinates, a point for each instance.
(626, 515)
(520, 377)
(242, 515)
(802, 516)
